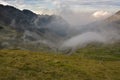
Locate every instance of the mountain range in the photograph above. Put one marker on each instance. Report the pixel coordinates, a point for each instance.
(24, 26)
(24, 29)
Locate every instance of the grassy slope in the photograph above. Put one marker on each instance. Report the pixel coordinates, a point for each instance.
(90, 63)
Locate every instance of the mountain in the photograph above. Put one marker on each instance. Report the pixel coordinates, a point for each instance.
(26, 19)
(115, 18)
(106, 31)
(26, 27)
(112, 22)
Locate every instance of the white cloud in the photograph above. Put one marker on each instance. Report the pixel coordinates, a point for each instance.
(99, 14)
(3, 2)
(65, 5)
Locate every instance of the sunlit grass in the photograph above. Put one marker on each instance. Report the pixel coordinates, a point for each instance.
(90, 63)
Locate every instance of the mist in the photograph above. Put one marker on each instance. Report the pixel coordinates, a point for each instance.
(83, 39)
(88, 28)
(66, 29)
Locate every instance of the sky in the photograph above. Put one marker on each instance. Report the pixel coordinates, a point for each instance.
(54, 6)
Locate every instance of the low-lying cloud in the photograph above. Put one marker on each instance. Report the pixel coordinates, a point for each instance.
(84, 38)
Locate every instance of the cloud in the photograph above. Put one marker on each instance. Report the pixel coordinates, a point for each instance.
(84, 39)
(17, 3)
(68, 6)
(99, 14)
(65, 5)
(3, 2)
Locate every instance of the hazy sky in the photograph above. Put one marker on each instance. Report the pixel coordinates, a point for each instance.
(50, 6)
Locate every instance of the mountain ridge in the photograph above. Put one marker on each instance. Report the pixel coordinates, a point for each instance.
(47, 30)
(50, 28)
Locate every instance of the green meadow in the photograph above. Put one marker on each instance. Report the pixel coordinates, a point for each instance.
(89, 63)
